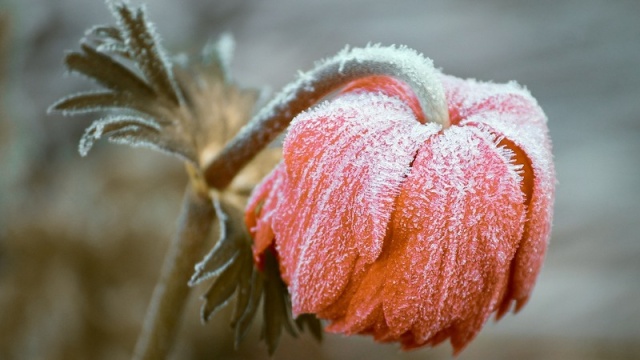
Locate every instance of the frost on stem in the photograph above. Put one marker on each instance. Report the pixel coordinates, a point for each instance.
(328, 75)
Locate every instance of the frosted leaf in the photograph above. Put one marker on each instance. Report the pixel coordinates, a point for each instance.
(112, 124)
(222, 289)
(95, 101)
(113, 47)
(106, 71)
(143, 44)
(232, 237)
(276, 307)
(129, 61)
(242, 324)
(105, 32)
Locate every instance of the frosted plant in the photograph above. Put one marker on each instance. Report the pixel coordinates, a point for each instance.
(391, 225)
(410, 207)
(188, 107)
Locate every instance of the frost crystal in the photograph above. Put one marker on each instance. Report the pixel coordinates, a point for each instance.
(404, 230)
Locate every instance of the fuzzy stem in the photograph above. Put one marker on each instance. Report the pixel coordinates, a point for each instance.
(348, 65)
(170, 294)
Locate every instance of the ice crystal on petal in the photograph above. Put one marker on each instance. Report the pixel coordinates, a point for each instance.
(408, 231)
(354, 150)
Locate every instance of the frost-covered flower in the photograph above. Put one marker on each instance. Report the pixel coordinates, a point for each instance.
(387, 224)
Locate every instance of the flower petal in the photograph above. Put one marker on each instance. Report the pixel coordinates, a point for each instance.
(260, 209)
(459, 218)
(509, 111)
(345, 161)
(364, 309)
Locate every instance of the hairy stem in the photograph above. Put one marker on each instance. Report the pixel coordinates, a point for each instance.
(171, 292)
(401, 63)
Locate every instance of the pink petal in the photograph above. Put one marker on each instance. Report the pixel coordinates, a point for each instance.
(364, 309)
(509, 111)
(260, 209)
(459, 218)
(345, 161)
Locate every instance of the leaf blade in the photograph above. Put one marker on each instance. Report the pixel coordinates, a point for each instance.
(106, 71)
(143, 44)
(104, 126)
(311, 323)
(94, 101)
(243, 324)
(225, 250)
(220, 291)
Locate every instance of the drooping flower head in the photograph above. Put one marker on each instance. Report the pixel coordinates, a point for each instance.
(387, 224)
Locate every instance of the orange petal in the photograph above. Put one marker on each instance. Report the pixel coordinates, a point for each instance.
(345, 161)
(458, 221)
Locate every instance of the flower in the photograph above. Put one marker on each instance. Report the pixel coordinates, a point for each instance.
(387, 224)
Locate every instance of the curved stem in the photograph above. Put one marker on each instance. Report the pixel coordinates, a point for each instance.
(171, 292)
(348, 65)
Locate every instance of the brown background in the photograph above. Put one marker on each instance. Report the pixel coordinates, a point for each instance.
(81, 240)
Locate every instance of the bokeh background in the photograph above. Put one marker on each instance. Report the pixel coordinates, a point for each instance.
(82, 239)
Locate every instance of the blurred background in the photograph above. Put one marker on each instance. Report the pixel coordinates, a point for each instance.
(82, 240)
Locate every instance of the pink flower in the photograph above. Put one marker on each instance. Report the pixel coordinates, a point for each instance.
(387, 224)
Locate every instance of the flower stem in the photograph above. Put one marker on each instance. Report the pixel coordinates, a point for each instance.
(171, 292)
(348, 65)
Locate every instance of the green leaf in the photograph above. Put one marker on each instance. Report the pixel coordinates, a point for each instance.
(276, 308)
(233, 236)
(99, 101)
(243, 324)
(221, 290)
(112, 124)
(147, 138)
(143, 46)
(196, 106)
(107, 72)
(243, 292)
(312, 323)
